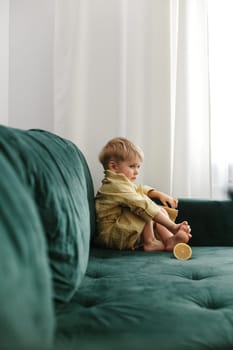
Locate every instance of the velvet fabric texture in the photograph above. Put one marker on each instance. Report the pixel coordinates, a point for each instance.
(26, 313)
(211, 221)
(152, 301)
(103, 298)
(56, 174)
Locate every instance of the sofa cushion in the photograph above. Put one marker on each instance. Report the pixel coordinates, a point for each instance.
(26, 316)
(140, 300)
(58, 177)
(211, 221)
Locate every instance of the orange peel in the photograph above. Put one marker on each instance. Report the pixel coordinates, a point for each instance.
(182, 251)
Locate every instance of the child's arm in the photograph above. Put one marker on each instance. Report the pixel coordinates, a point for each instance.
(164, 198)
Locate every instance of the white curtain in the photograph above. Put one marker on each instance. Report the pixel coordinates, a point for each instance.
(190, 97)
(93, 69)
(112, 77)
(221, 101)
(137, 68)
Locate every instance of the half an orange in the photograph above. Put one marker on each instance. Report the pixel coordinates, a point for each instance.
(182, 251)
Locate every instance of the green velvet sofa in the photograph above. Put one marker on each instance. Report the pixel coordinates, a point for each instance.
(58, 291)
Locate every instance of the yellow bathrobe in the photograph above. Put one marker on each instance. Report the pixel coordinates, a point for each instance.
(122, 210)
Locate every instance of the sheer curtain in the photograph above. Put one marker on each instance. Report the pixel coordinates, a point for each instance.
(221, 102)
(137, 68)
(191, 175)
(156, 71)
(112, 77)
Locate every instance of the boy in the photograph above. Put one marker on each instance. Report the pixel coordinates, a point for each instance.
(127, 218)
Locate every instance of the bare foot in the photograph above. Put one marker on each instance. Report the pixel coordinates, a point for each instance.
(182, 236)
(153, 246)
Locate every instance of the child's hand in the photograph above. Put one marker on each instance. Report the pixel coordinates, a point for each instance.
(168, 200)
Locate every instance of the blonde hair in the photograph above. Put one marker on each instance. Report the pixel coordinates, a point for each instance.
(119, 149)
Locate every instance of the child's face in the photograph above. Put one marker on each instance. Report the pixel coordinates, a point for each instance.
(130, 168)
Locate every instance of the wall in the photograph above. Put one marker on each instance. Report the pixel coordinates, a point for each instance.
(28, 63)
(4, 59)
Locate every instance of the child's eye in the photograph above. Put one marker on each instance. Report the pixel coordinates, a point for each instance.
(134, 166)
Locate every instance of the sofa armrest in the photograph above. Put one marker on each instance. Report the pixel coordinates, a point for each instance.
(27, 319)
(211, 221)
(56, 174)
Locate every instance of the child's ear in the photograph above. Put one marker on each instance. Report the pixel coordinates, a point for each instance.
(112, 165)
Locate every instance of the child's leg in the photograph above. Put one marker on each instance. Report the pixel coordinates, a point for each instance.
(169, 239)
(151, 244)
(182, 236)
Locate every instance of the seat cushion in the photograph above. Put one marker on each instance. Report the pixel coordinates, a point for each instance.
(26, 313)
(57, 175)
(152, 300)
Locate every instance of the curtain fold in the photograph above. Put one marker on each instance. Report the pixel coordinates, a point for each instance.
(191, 174)
(112, 77)
(148, 70)
(221, 77)
(116, 74)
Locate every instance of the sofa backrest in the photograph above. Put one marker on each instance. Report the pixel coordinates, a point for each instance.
(55, 173)
(211, 221)
(26, 313)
